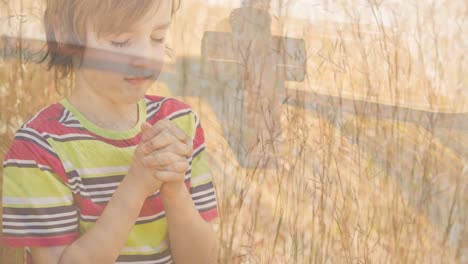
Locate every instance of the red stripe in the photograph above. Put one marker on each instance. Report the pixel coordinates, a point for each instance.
(199, 138)
(167, 109)
(47, 121)
(25, 150)
(150, 207)
(39, 241)
(210, 214)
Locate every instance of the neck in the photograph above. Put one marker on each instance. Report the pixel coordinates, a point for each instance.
(103, 111)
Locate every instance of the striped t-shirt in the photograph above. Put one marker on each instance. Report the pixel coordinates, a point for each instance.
(61, 170)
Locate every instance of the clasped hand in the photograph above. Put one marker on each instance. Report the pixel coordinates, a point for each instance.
(162, 156)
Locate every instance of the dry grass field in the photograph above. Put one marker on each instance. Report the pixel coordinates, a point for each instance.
(345, 187)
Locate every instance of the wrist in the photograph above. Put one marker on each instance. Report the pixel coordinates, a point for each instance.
(134, 188)
(173, 189)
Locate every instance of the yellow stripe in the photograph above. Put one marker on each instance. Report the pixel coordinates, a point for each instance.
(32, 182)
(94, 154)
(149, 234)
(186, 123)
(200, 167)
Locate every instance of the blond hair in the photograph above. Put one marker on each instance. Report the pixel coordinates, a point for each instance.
(69, 20)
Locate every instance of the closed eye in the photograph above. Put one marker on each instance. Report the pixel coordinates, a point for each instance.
(158, 40)
(120, 44)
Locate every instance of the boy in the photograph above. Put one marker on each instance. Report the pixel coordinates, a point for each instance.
(110, 174)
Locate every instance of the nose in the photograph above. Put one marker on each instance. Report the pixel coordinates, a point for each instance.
(147, 58)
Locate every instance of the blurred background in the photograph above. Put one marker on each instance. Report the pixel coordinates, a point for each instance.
(369, 101)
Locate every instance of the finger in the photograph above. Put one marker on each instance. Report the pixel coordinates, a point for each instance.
(179, 166)
(161, 141)
(173, 128)
(169, 176)
(179, 134)
(179, 148)
(160, 160)
(145, 126)
(153, 131)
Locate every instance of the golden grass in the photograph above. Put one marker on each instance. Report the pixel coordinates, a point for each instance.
(346, 188)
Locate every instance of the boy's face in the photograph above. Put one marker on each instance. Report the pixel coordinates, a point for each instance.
(123, 65)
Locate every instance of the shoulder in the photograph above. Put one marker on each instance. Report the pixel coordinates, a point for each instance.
(30, 146)
(45, 121)
(160, 107)
(179, 112)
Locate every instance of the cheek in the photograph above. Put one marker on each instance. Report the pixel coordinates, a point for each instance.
(98, 79)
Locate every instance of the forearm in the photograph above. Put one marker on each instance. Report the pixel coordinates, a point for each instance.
(192, 239)
(103, 242)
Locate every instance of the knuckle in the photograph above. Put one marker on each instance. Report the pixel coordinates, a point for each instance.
(147, 147)
(167, 158)
(180, 167)
(147, 162)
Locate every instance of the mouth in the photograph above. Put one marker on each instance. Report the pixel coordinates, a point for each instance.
(138, 80)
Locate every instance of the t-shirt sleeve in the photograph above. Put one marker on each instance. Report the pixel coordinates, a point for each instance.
(202, 187)
(38, 206)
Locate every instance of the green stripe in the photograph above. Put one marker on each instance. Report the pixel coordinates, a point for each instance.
(105, 132)
(200, 166)
(149, 234)
(186, 123)
(32, 182)
(94, 154)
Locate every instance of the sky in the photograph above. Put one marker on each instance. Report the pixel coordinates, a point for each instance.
(319, 10)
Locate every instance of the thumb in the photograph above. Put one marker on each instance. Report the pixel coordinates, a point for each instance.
(145, 126)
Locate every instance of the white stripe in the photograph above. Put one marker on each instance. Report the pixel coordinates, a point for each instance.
(72, 180)
(200, 179)
(143, 218)
(186, 110)
(89, 217)
(103, 185)
(103, 170)
(25, 162)
(159, 104)
(73, 125)
(9, 216)
(71, 118)
(101, 192)
(79, 185)
(100, 200)
(35, 140)
(69, 136)
(144, 249)
(28, 162)
(204, 206)
(204, 199)
(26, 224)
(199, 147)
(195, 195)
(62, 117)
(31, 201)
(40, 231)
(67, 165)
(151, 261)
(44, 167)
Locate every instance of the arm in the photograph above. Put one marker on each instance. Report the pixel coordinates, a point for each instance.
(103, 242)
(192, 239)
(190, 212)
